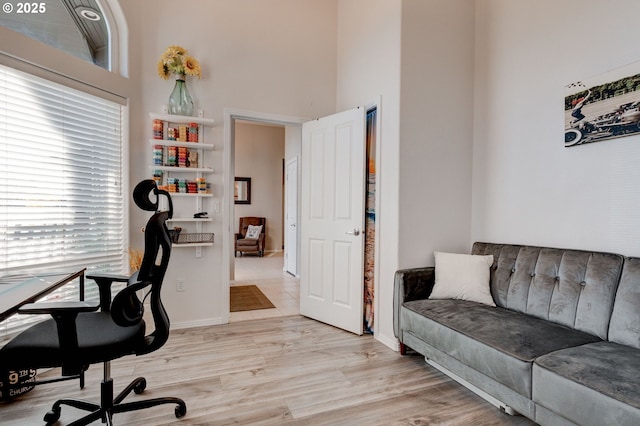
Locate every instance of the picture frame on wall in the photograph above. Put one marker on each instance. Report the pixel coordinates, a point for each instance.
(242, 190)
(603, 107)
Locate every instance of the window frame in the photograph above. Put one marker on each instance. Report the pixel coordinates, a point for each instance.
(66, 97)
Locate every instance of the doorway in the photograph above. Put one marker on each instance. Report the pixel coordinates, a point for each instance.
(294, 148)
(259, 157)
(258, 165)
(268, 271)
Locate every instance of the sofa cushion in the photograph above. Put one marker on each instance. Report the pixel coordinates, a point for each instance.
(624, 327)
(569, 287)
(595, 384)
(462, 276)
(498, 342)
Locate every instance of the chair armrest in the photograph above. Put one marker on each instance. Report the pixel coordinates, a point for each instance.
(64, 314)
(104, 282)
(58, 308)
(410, 284)
(111, 277)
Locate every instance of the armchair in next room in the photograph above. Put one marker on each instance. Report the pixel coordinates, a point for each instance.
(251, 236)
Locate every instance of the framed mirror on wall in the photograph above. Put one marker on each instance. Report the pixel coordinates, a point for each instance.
(242, 190)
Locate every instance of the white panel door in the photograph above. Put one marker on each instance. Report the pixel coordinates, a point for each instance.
(291, 217)
(332, 219)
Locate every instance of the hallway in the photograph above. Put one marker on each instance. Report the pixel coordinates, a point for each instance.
(282, 289)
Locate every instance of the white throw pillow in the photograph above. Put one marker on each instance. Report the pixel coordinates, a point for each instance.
(463, 276)
(253, 232)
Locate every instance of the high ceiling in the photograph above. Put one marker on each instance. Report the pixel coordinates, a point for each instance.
(77, 27)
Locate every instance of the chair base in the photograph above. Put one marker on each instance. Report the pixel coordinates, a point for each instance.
(110, 406)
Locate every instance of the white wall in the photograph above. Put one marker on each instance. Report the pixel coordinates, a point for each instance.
(418, 56)
(369, 68)
(259, 153)
(436, 129)
(275, 57)
(528, 188)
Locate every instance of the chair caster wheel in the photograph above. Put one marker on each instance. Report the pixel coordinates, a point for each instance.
(140, 386)
(52, 416)
(181, 410)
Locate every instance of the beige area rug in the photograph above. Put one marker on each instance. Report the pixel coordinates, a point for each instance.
(248, 298)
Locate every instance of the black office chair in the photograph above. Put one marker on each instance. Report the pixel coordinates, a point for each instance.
(80, 335)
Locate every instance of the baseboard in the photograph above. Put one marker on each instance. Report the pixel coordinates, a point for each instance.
(272, 252)
(482, 394)
(194, 324)
(391, 343)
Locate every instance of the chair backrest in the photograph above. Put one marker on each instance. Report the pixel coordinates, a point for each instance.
(251, 220)
(126, 308)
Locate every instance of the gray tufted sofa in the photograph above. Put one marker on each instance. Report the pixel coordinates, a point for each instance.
(562, 347)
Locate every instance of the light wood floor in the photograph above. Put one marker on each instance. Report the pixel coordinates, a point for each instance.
(279, 371)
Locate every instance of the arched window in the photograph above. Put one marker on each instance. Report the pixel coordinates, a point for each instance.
(78, 27)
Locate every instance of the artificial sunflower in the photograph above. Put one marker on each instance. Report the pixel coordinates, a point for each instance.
(135, 258)
(175, 60)
(192, 66)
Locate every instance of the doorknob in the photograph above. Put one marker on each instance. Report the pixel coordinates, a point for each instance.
(355, 232)
(293, 224)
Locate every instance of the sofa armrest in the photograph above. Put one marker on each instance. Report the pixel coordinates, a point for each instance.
(410, 284)
(414, 284)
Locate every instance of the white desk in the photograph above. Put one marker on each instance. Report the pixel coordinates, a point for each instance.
(17, 290)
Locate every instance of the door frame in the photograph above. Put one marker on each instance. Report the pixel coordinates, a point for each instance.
(295, 161)
(230, 115)
(377, 105)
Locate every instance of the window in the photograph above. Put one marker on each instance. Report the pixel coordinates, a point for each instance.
(61, 182)
(78, 27)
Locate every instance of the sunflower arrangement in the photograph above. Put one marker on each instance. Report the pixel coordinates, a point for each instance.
(176, 60)
(135, 258)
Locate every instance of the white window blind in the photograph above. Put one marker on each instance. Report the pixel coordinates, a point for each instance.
(61, 182)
